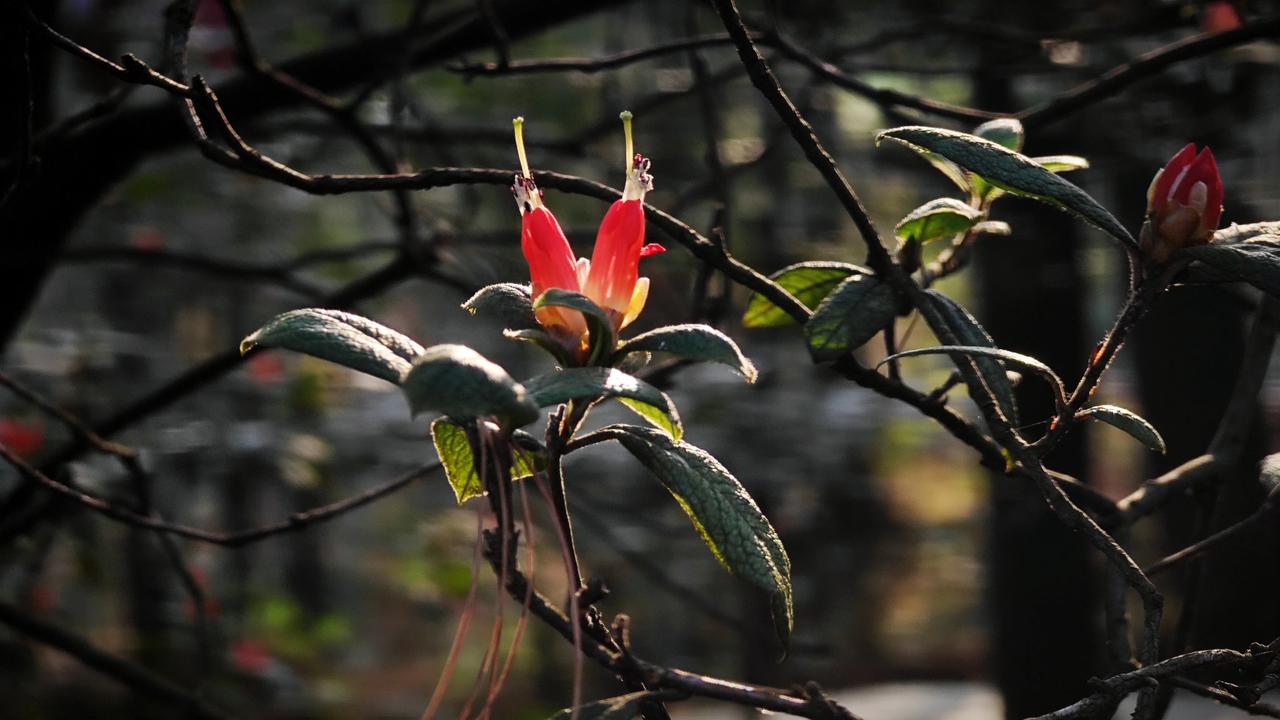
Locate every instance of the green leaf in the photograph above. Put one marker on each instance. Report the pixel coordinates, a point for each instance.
(852, 314)
(339, 337)
(599, 325)
(590, 383)
(1061, 163)
(1256, 260)
(1006, 132)
(723, 513)
(459, 460)
(622, 707)
(463, 384)
(1127, 421)
(809, 282)
(543, 340)
(692, 342)
(508, 302)
(941, 217)
(969, 331)
(1240, 233)
(1008, 356)
(1010, 171)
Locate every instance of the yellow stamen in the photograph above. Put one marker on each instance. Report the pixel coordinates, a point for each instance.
(518, 123)
(625, 115)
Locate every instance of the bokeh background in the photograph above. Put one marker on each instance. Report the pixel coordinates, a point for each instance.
(910, 561)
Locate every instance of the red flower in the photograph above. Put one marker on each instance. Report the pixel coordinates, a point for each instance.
(1184, 204)
(546, 250)
(611, 278)
(22, 439)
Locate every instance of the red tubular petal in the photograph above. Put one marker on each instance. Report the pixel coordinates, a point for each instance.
(1205, 169)
(551, 260)
(1172, 172)
(615, 262)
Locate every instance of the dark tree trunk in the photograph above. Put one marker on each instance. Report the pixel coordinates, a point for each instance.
(1043, 613)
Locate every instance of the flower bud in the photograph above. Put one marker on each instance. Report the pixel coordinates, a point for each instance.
(1184, 204)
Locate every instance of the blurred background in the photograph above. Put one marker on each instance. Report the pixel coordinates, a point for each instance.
(912, 564)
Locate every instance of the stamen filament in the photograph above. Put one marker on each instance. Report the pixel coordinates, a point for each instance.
(625, 115)
(518, 124)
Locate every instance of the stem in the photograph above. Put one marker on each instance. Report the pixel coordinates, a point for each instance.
(1134, 309)
(559, 434)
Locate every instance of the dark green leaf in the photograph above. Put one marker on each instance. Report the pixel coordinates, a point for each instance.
(1010, 171)
(622, 707)
(1240, 233)
(458, 458)
(1256, 260)
(969, 331)
(692, 342)
(1008, 356)
(1061, 163)
(599, 325)
(543, 340)
(722, 511)
(339, 337)
(589, 383)
(1127, 421)
(941, 217)
(852, 314)
(508, 302)
(1007, 132)
(463, 384)
(809, 282)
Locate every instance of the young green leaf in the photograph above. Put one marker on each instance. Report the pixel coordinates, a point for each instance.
(1127, 421)
(622, 707)
(691, 342)
(456, 455)
(1007, 132)
(508, 302)
(950, 170)
(969, 331)
(993, 227)
(723, 513)
(459, 461)
(1256, 260)
(1061, 163)
(590, 383)
(1269, 472)
(339, 337)
(852, 314)
(599, 325)
(940, 217)
(1010, 171)
(463, 384)
(809, 282)
(1008, 356)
